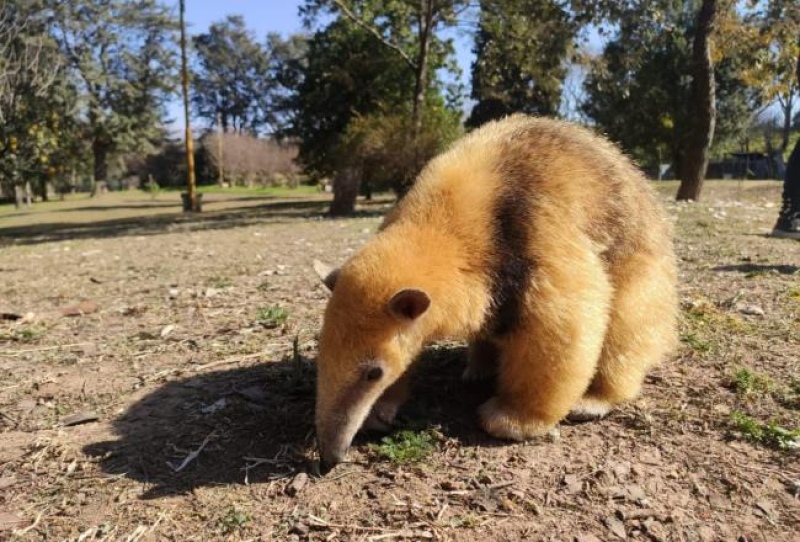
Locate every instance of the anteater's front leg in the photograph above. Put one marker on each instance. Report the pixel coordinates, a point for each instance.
(381, 417)
(548, 359)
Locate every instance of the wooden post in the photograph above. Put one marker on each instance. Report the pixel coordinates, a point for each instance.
(190, 178)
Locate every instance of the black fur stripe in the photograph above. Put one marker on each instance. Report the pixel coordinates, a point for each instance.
(512, 266)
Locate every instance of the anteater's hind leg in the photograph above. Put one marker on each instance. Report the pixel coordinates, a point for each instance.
(641, 331)
(548, 360)
(482, 360)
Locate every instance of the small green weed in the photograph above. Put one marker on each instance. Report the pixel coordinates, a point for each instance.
(767, 434)
(233, 520)
(23, 335)
(696, 343)
(220, 282)
(405, 446)
(272, 317)
(794, 293)
(748, 382)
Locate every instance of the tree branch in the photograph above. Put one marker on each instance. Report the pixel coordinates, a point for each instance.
(377, 35)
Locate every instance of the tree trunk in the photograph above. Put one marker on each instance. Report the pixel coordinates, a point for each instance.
(28, 194)
(345, 191)
(421, 79)
(100, 153)
(703, 105)
(17, 196)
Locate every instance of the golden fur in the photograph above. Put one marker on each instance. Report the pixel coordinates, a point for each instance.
(535, 240)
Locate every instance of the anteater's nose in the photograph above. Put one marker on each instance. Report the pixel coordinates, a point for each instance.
(331, 456)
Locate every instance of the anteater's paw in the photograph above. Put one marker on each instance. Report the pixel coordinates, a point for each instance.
(503, 423)
(381, 417)
(589, 410)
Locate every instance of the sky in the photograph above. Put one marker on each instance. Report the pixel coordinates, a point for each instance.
(265, 16)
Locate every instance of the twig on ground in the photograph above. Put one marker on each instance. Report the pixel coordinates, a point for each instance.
(29, 528)
(10, 418)
(192, 455)
(232, 359)
(12, 353)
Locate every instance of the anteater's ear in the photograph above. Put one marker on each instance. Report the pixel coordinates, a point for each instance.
(409, 304)
(327, 273)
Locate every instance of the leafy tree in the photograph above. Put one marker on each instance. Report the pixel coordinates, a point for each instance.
(374, 56)
(287, 60)
(521, 51)
(122, 56)
(36, 99)
(772, 32)
(231, 80)
(408, 28)
(640, 90)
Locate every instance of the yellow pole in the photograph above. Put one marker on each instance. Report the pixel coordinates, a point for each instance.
(190, 179)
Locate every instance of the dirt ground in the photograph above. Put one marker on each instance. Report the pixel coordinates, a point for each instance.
(159, 385)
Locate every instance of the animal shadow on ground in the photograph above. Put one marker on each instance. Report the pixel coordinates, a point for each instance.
(759, 268)
(257, 423)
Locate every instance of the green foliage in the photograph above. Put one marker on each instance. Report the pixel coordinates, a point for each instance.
(23, 335)
(273, 316)
(638, 89)
(747, 382)
(379, 146)
(346, 75)
(220, 282)
(351, 73)
(521, 51)
(770, 434)
(405, 446)
(233, 521)
(37, 99)
(122, 59)
(697, 343)
(239, 81)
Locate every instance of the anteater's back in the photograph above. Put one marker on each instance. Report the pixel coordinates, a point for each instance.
(505, 177)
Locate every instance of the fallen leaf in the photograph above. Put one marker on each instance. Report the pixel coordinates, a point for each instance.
(616, 526)
(79, 418)
(84, 307)
(297, 484)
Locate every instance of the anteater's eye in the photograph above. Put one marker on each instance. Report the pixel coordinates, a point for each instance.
(373, 373)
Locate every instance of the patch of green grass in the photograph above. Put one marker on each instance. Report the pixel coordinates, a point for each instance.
(769, 434)
(747, 382)
(220, 282)
(276, 191)
(790, 395)
(273, 316)
(794, 293)
(405, 446)
(23, 335)
(697, 343)
(233, 521)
